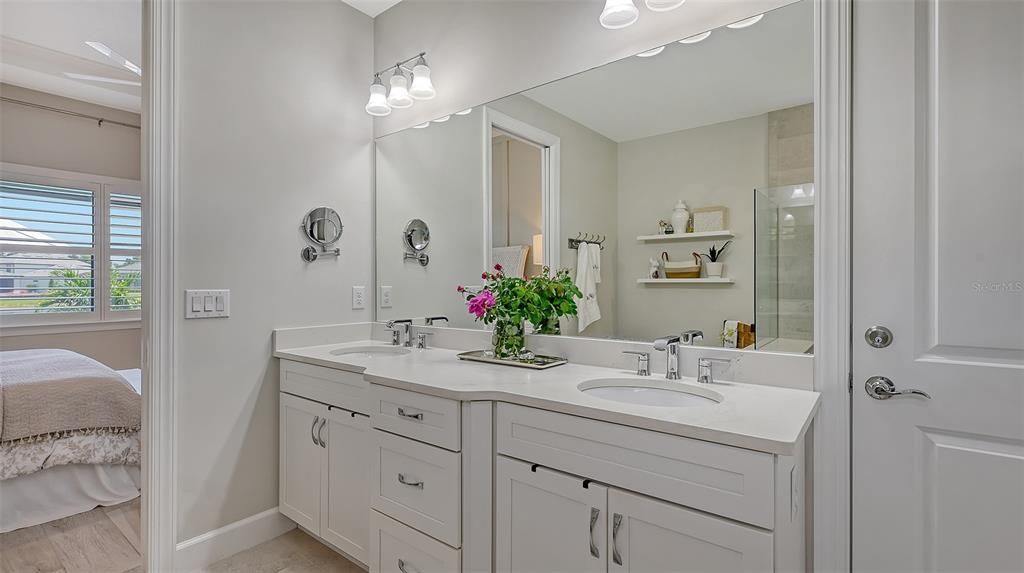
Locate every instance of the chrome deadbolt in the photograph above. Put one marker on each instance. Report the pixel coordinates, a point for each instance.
(878, 336)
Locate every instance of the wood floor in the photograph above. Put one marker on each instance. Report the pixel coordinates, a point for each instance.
(106, 540)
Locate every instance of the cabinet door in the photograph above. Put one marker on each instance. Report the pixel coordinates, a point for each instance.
(300, 464)
(651, 536)
(547, 521)
(345, 517)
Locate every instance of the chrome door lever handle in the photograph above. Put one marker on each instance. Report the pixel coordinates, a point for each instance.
(881, 388)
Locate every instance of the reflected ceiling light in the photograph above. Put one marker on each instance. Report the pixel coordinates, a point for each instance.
(110, 53)
(102, 79)
(398, 95)
(442, 119)
(421, 87)
(650, 53)
(619, 14)
(798, 193)
(745, 23)
(378, 104)
(422, 125)
(663, 5)
(464, 112)
(694, 39)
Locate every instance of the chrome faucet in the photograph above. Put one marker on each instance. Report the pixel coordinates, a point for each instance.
(400, 332)
(670, 345)
(705, 372)
(430, 320)
(643, 362)
(690, 337)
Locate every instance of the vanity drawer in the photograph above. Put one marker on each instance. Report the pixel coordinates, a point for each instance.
(397, 548)
(339, 388)
(723, 480)
(419, 416)
(419, 485)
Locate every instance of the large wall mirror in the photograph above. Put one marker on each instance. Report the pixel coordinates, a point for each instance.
(711, 138)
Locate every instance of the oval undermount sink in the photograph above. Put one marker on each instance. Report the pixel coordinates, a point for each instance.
(370, 351)
(666, 394)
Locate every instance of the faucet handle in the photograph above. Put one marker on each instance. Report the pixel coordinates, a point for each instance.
(421, 339)
(643, 362)
(705, 369)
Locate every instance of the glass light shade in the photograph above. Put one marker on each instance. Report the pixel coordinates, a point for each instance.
(442, 119)
(664, 5)
(422, 125)
(619, 14)
(650, 53)
(378, 104)
(697, 38)
(745, 23)
(398, 97)
(421, 87)
(464, 112)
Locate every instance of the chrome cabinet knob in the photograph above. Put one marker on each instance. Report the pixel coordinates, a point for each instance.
(881, 388)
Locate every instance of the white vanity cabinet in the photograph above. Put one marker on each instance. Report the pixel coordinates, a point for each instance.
(325, 458)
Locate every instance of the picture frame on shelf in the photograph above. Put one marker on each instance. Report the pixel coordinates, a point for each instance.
(713, 218)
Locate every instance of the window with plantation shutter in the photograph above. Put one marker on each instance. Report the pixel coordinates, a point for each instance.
(70, 249)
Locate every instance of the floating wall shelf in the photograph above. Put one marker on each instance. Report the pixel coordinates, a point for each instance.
(705, 281)
(685, 237)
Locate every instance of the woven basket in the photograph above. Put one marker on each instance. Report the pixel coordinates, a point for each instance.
(681, 270)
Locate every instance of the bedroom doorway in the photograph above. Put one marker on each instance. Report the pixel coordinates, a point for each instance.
(72, 276)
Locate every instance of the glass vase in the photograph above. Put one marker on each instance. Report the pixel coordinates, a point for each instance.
(550, 325)
(508, 338)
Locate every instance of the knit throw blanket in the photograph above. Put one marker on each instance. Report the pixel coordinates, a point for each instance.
(50, 393)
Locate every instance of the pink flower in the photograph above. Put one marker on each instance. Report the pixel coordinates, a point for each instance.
(461, 289)
(498, 268)
(481, 303)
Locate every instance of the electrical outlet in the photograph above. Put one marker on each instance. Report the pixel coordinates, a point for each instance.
(385, 297)
(358, 297)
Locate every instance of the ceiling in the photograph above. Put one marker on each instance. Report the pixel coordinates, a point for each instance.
(42, 41)
(730, 75)
(371, 7)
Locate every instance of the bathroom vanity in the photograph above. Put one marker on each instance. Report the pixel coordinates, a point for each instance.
(410, 461)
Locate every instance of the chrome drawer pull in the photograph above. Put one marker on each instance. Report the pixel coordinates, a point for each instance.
(312, 430)
(402, 566)
(418, 416)
(320, 432)
(402, 480)
(616, 524)
(594, 514)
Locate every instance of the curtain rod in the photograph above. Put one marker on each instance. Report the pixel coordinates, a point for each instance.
(100, 121)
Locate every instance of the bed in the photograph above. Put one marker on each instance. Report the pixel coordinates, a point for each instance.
(69, 436)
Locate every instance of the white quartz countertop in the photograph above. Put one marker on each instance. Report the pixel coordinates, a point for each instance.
(751, 416)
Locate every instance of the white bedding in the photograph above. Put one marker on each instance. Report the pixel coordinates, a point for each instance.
(61, 491)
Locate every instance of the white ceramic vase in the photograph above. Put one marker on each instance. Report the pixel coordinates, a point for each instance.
(714, 270)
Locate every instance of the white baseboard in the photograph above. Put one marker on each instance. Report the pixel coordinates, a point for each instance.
(202, 550)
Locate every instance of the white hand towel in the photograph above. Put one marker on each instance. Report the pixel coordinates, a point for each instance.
(589, 311)
(595, 261)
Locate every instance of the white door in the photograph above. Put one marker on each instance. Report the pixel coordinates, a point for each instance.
(300, 460)
(546, 521)
(938, 258)
(652, 536)
(345, 515)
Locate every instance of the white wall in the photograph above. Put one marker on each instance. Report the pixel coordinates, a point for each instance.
(271, 99)
(480, 51)
(40, 138)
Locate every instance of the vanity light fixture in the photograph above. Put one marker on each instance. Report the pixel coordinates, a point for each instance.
(421, 87)
(746, 23)
(401, 95)
(697, 38)
(378, 106)
(663, 5)
(442, 119)
(650, 53)
(398, 95)
(464, 112)
(423, 125)
(619, 14)
(110, 53)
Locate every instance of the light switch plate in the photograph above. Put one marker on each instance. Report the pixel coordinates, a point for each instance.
(385, 297)
(358, 297)
(207, 303)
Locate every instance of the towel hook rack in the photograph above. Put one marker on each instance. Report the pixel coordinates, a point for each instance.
(587, 238)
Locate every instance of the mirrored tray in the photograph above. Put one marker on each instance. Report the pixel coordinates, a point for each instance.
(538, 362)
